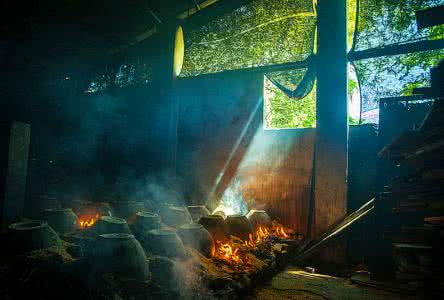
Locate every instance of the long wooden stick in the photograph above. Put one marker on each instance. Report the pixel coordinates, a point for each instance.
(338, 228)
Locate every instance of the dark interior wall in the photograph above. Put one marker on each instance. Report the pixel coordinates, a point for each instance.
(213, 117)
(221, 142)
(362, 174)
(96, 146)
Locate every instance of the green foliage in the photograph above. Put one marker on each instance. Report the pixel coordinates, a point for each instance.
(284, 112)
(263, 32)
(386, 22)
(352, 121)
(352, 86)
(351, 20)
(383, 22)
(407, 90)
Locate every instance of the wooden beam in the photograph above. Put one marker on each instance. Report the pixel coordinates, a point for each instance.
(330, 189)
(403, 99)
(397, 49)
(258, 70)
(194, 10)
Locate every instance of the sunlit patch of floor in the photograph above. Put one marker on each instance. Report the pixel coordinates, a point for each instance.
(295, 283)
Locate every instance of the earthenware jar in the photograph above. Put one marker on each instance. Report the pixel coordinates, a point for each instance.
(163, 242)
(175, 216)
(107, 224)
(197, 212)
(163, 272)
(196, 236)
(239, 226)
(62, 220)
(215, 225)
(120, 254)
(144, 222)
(31, 235)
(258, 218)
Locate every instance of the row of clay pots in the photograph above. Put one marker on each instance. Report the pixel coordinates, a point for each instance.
(64, 220)
(155, 237)
(117, 251)
(236, 225)
(220, 229)
(114, 249)
(119, 254)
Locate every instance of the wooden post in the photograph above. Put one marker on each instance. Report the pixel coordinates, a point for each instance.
(330, 189)
(13, 170)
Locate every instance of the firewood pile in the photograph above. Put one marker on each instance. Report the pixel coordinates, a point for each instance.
(418, 202)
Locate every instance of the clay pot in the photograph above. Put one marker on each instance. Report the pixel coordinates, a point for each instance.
(32, 235)
(163, 242)
(62, 220)
(120, 254)
(175, 216)
(258, 218)
(220, 213)
(238, 226)
(126, 209)
(144, 222)
(197, 212)
(197, 237)
(163, 272)
(84, 239)
(107, 224)
(215, 225)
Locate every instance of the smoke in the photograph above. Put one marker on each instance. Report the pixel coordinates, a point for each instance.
(162, 188)
(232, 202)
(94, 147)
(191, 284)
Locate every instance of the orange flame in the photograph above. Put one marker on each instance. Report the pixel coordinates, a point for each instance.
(227, 252)
(88, 221)
(279, 230)
(262, 233)
(233, 251)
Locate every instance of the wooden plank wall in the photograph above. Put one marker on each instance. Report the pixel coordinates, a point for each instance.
(279, 177)
(273, 166)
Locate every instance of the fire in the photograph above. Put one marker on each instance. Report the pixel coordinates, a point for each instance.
(227, 252)
(280, 231)
(233, 251)
(262, 233)
(88, 221)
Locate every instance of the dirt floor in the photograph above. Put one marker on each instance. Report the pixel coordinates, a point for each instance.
(294, 283)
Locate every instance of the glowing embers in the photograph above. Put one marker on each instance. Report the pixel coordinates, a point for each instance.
(88, 221)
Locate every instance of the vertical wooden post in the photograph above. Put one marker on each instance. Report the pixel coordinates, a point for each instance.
(13, 170)
(332, 126)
